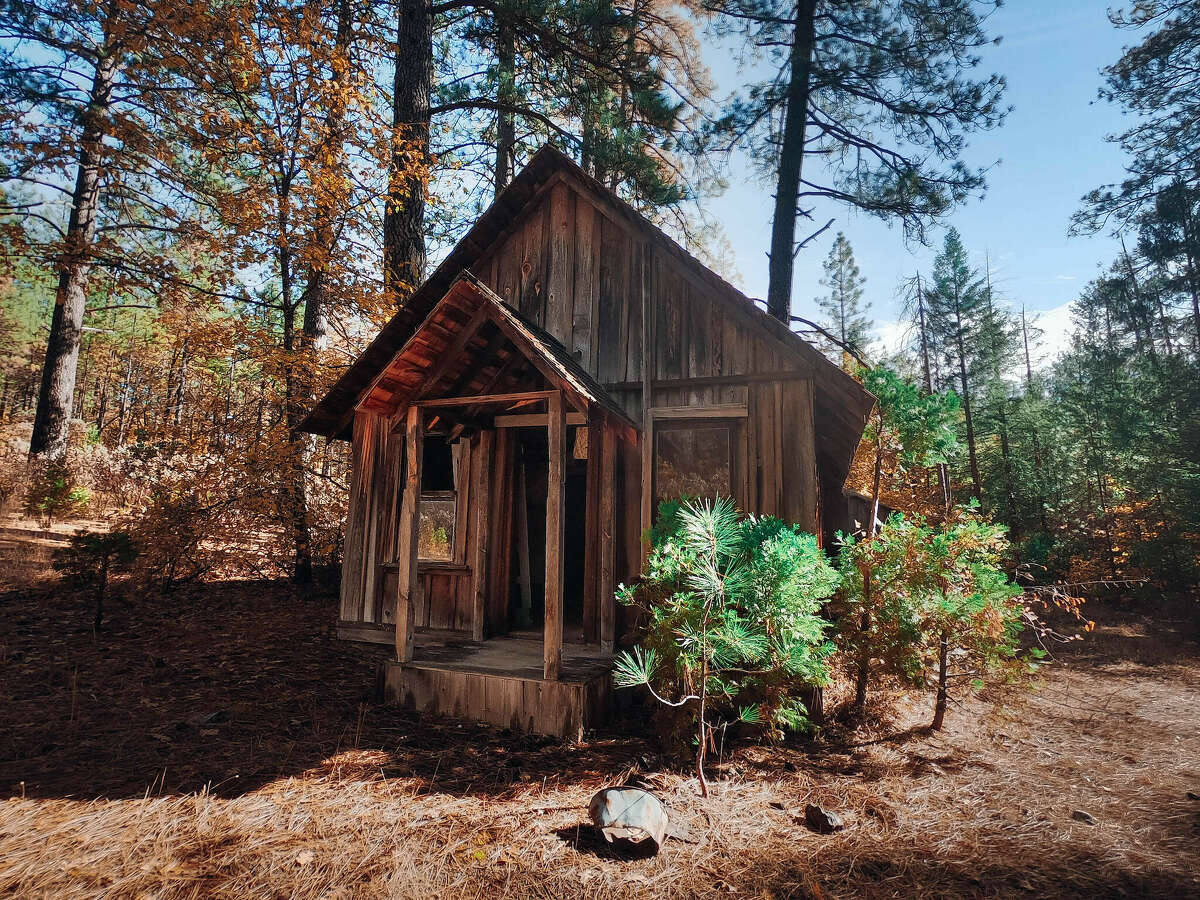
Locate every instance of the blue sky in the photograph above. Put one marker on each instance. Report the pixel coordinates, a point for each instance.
(1049, 152)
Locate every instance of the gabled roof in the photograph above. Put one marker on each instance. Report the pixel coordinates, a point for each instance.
(454, 337)
(842, 405)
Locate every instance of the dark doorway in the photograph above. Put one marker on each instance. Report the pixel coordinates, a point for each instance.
(527, 604)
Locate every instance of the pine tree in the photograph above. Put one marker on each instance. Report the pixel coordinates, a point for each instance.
(616, 84)
(879, 91)
(956, 301)
(1157, 82)
(843, 305)
(94, 101)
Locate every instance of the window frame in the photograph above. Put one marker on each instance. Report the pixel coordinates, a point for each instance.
(457, 542)
(729, 420)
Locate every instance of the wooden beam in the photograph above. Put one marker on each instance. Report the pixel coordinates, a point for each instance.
(606, 577)
(451, 354)
(529, 420)
(552, 631)
(407, 583)
(648, 364)
(524, 574)
(591, 541)
(526, 345)
(719, 411)
(701, 381)
(480, 498)
(485, 399)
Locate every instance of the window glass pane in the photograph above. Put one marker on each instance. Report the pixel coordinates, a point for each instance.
(435, 540)
(692, 461)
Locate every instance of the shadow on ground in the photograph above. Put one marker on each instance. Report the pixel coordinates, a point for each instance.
(227, 685)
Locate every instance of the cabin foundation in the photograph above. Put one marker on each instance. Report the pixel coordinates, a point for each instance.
(500, 682)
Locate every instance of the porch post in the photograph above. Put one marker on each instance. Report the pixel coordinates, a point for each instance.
(480, 497)
(407, 584)
(552, 631)
(608, 545)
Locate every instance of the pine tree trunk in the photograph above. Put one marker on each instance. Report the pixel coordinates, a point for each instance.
(593, 94)
(862, 671)
(294, 493)
(57, 394)
(972, 455)
(1192, 280)
(939, 706)
(506, 56)
(294, 489)
(1006, 456)
(1037, 443)
(791, 164)
(404, 217)
(332, 170)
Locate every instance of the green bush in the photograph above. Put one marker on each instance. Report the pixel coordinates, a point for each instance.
(929, 604)
(53, 494)
(732, 626)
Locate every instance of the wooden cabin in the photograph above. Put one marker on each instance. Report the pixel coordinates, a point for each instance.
(515, 424)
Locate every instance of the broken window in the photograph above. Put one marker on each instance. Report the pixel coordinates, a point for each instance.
(439, 502)
(693, 459)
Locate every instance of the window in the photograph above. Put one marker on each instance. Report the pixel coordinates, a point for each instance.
(439, 502)
(693, 459)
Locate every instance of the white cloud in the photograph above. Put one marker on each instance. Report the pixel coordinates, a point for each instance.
(893, 336)
(1056, 328)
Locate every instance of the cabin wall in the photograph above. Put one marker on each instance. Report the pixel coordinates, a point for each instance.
(581, 272)
(446, 597)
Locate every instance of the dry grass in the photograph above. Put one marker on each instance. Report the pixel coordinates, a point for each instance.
(317, 795)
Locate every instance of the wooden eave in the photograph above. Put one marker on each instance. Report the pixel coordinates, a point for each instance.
(452, 354)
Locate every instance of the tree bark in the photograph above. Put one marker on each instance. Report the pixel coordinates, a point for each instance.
(57, 394)
(1192, 279)
(791, 164)
(506, 56)
(939, 706)
(404, 216)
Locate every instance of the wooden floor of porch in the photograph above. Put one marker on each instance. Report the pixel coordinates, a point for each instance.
(514, 656)
(499, 681)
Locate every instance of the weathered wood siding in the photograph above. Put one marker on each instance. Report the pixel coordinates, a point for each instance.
(447, 590)
(579, 271)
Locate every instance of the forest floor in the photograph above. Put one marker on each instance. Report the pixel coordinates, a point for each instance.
(222, 743)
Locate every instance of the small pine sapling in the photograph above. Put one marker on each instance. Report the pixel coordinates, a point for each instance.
(732, 619)
(90, 559)
(938, 607)
(975, 615)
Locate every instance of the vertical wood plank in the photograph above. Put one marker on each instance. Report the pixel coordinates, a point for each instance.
(374, 441)
(584, 292)
(610, 362)
(555, 535)
(409, 530)
(649, 365)
(352, 560)
(591, 541)
(560, 280)
(480, 500)
(500, 524)
(805, 426)
(463, 480)
(606, 579)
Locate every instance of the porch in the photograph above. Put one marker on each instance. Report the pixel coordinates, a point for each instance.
(501, 681)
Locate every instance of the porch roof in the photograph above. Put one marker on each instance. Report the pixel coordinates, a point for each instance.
(471, 344)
